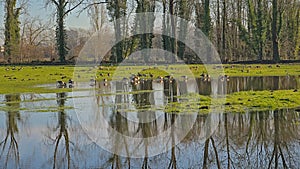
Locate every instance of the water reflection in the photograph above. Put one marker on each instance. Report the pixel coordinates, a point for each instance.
(62, 145)
(135, 110)
(237, 84)
(62, 133)
(9, 154)
(253, 140)
(268, 139)
(205, 87)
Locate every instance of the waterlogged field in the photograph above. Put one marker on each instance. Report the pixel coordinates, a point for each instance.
(42, 79)
(249, 116)
(18, 79)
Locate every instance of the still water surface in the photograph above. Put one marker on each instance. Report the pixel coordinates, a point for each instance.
(43, 130)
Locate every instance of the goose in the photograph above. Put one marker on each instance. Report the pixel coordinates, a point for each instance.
(227, 77)
(169, 78)
(203, 75)
(160, 79)
(134, 78)
(92, 82)
(71, 83)
(61, 84)
(221, 78)
(125, 81)
(185, 78)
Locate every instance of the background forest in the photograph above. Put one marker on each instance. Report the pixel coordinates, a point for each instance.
(241, 30)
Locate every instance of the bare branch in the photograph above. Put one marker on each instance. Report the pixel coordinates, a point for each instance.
(74, 7)
(53, 1)
(89, 5)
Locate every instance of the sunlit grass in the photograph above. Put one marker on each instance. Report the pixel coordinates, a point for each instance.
(238, 102)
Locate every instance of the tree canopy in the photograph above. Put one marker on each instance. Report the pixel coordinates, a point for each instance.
(241, 30)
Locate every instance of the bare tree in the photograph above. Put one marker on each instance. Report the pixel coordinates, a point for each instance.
(77, 37)
(34, 37)
(97, 15)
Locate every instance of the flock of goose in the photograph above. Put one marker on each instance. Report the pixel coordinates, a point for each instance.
(136, 79)
(62, 84)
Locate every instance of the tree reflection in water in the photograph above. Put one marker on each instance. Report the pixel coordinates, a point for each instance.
(267, 139)
(9, 146)
(250, 140)
(256, 83)
(61, 134)
(254, 140)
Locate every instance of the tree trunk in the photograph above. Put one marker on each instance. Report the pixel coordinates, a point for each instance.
(224, 27)
(61, 34)
(260, 30)
(184, 13)
(218, 27)
(173, 43)
(276, 57)
(12, 31)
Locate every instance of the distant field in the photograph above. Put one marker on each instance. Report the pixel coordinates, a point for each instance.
(20, 79)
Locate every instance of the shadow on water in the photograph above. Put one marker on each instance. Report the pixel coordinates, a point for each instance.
(268, 139)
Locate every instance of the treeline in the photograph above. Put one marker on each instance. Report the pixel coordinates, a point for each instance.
(241, 30)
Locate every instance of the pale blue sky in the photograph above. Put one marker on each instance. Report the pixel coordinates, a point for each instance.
(37, 8)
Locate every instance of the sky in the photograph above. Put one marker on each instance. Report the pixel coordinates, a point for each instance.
(37, 8)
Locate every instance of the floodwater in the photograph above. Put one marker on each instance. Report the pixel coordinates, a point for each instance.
(58, 130)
